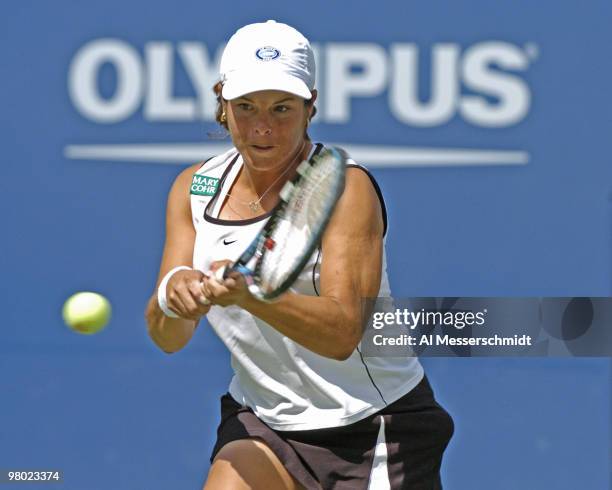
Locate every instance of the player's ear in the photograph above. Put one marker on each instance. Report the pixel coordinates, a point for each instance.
(311, 102)
(311, 110)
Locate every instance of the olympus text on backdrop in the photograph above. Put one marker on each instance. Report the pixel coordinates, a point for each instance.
(480, 83)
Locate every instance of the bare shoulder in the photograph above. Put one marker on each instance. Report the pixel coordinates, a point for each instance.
(359, 190)
(184, 179)
(179, 198)
(179, 191)
(359, 207)
(358, 181)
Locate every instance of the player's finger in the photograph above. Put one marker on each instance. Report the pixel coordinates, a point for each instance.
(190, 308)
(195, 288)
(218, 265)
(192, 305)
(175, 303)
(236, 280)
(204, 289)
(213, 288)
(203, 293)
(229, 283)
(215, 277)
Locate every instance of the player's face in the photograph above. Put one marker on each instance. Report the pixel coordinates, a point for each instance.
(268, 127)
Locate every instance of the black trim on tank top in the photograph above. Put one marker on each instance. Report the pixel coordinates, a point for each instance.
(314, 268)
(236, 222)
(314, 284)
(319, 147)
(205, 162)
(239, 222)
(384, 213)
(223, 177)
(213, 201)
(370, 376)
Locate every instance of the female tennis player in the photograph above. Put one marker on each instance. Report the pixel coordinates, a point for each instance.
(304, 409)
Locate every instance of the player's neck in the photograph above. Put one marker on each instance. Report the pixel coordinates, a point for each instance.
(263, 180)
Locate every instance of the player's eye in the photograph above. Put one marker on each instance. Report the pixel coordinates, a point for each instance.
(245, 106)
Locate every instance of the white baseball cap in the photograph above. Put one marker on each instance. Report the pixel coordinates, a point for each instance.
(267, 56)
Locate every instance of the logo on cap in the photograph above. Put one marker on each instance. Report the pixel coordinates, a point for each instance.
(267, 53)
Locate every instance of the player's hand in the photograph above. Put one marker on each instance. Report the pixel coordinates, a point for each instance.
(224, 292)
(184, 295)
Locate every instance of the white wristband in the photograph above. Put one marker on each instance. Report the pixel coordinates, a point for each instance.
(161, 291)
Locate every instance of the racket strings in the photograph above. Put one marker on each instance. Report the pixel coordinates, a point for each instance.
(300, 223)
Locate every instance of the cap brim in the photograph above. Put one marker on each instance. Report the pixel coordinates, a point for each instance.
(239, 84)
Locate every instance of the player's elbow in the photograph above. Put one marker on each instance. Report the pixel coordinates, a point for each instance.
(343, 353)
(349, 342)
(168, 345)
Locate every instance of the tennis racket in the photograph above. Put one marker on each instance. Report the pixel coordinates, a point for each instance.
(279, 252)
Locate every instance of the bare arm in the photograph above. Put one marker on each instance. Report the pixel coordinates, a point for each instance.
(329, 324)
(183, 291)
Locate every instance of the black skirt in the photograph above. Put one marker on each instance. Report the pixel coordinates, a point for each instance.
(416, 432)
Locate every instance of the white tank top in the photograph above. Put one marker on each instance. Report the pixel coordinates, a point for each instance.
(287, 386)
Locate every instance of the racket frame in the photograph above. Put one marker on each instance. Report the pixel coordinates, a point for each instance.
(255, 252)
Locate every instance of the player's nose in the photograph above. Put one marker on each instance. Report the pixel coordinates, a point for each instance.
(263, 126)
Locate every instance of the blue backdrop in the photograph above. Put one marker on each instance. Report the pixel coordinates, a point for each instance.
(486, 123)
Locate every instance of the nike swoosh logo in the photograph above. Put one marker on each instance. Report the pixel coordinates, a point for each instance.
(225, 242)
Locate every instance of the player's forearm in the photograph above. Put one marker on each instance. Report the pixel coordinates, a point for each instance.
(323, 325)
(169, 334)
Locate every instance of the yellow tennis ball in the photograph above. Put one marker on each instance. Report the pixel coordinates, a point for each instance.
(86, 312)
